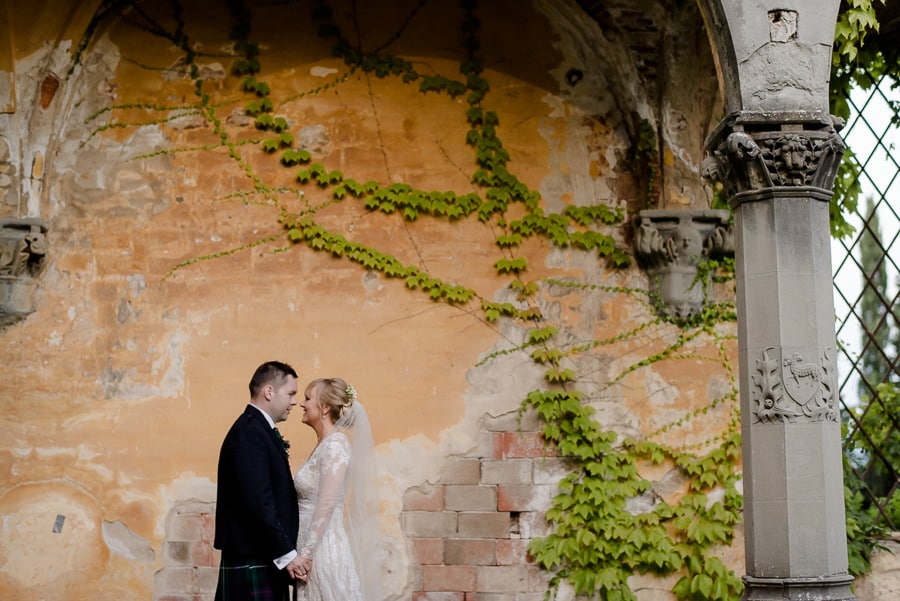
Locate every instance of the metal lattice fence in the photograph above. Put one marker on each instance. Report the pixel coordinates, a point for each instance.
(867, 280)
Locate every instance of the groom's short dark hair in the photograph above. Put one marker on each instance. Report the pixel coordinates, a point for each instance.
(270, 372)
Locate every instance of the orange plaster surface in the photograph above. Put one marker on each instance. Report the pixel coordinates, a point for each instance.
(117, 391)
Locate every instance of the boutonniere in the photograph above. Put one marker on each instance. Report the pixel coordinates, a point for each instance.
(285, 443)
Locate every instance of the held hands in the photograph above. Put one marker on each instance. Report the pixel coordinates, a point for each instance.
(299, 568)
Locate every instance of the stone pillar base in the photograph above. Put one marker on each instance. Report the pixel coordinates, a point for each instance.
(827, 588)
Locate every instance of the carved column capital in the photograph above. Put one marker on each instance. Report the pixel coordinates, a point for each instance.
(751, 152)
(23, 249)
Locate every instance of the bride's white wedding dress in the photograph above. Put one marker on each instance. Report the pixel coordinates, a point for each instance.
(321, 485)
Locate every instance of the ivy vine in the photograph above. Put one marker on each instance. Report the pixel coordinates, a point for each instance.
(852, 50)
(598, 541)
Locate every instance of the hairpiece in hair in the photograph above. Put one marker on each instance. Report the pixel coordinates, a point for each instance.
(351, 393)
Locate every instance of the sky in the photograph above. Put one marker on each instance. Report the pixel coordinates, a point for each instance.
(876, 145)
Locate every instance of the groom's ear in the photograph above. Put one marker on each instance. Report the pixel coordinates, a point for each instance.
(268, 391)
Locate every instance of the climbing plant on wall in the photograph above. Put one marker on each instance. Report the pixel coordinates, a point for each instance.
(598, 535)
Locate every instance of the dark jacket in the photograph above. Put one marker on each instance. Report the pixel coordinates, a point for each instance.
(256, 503)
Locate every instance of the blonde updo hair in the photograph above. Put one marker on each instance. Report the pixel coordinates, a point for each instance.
(334, 394)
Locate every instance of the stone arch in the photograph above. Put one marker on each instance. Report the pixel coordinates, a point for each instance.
(623, 53)
(618, 56)
(768, 58)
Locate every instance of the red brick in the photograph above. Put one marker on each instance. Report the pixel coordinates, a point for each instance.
(448, 578)
(502, 579)
(470, 552)
(205, 580)
(208, 531)
(470, 497)
(484, 445)
(507, 471)
(512, 551)
(174, 580)
(515, 497)
(538, 579)
(550, 470)
(481, 596)
(461, 470)
(202, 554)
(438, 596)
(532, 524)
(485, 524)
(427, 551)
(424, 499)
(429, 524)
(177, 553)
(520, 444)
(415, 577)
(186, 527)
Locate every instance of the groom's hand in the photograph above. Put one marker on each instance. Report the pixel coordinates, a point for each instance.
(305, 567)
(295, 569)
(299, 568)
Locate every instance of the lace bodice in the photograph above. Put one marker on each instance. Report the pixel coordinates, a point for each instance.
(321, 486)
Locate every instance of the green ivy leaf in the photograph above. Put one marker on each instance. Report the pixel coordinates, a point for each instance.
(514, 266)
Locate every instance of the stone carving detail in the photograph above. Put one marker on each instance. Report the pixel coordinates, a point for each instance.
(755, 151)
(794, 389)
(23, 249)
(671, 245)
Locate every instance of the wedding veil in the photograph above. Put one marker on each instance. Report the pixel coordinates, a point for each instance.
(361, 504)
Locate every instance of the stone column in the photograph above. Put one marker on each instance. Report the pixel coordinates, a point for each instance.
(776, 155)
(778, 168)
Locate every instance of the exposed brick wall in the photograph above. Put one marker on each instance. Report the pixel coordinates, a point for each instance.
(468, 532)
(191, 563)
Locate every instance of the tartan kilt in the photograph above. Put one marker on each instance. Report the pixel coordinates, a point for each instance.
(255, 580)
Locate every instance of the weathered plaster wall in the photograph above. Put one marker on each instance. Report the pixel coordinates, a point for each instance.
(117, 391)
(883, 582)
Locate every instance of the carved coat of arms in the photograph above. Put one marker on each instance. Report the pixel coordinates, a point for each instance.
(794, 388)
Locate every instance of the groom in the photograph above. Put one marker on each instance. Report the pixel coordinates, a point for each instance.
(256, 504)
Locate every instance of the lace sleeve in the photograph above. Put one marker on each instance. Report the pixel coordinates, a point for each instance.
(333, 465)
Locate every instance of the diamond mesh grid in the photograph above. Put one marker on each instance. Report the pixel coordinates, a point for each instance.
(866, 283)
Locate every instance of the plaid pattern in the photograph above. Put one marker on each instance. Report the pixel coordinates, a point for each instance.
(244, 580)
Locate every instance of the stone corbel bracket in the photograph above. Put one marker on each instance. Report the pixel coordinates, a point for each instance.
(671, 245)
(23, 250)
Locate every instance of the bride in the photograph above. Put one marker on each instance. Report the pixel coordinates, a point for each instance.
(338, 497)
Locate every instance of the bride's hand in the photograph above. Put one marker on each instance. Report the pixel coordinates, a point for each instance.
(298, 568)
(304, 567)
